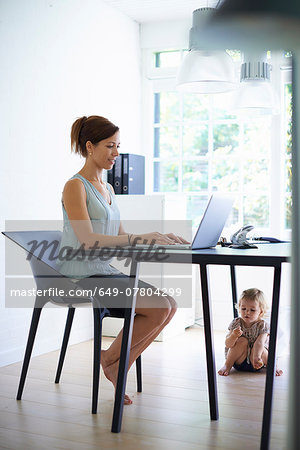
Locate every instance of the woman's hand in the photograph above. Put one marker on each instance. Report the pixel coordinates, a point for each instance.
(177, 239)
(157, 238)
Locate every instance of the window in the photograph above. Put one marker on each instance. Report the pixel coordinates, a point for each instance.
(200, 146)
(286, 159)
(288, 153)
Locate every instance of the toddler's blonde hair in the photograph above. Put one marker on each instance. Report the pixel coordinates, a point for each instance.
(256, 295)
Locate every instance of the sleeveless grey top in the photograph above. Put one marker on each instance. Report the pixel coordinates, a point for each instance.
(105, 219)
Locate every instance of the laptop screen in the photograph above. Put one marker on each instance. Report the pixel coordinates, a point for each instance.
(213, 221)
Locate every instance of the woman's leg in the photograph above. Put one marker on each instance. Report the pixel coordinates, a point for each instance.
(236, 354)
(139, 347)
(152, 315)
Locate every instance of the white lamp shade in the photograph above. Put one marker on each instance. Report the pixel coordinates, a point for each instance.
(254, 98)
(206, 72)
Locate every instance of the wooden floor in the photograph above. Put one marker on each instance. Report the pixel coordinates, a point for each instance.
(172, 412)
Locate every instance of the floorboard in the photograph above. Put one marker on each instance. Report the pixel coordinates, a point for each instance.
(172, 412)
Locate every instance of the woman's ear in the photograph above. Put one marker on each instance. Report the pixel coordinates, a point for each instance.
(89, 146)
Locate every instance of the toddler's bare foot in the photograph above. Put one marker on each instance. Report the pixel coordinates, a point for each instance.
(278, 372)
(111, 373)
(224, 371)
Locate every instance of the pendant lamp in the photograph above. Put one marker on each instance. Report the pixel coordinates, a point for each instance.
(255, 96)
(205, 71)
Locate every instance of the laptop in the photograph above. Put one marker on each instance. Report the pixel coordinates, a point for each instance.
(210, 228)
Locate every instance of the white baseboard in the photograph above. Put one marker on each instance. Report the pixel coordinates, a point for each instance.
(16, 354)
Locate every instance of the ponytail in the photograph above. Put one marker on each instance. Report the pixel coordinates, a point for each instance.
(93, 129)
(75, 132)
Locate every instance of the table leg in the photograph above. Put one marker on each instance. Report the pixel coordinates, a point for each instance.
(267, 414)
(125, 352)
(209, 344)
(233, 290)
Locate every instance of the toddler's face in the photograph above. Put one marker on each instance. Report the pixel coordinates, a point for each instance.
(250, 311)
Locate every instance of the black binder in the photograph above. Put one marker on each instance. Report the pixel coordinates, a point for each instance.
(117, 170)
(133, 171)
(110, 176)
(128, 174)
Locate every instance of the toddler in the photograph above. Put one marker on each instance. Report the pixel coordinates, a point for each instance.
(246, 344)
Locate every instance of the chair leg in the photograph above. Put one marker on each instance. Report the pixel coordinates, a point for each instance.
(138, 366)
(30, 341)
(97, 354)
(67, 332)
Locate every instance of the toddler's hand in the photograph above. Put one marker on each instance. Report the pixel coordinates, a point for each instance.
(237, 332)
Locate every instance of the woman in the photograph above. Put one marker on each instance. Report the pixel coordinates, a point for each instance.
(91, 218)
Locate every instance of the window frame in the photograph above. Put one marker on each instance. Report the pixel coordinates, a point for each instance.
(164, 79)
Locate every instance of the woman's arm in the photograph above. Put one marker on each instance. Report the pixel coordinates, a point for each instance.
(74, 199)
(121, 229)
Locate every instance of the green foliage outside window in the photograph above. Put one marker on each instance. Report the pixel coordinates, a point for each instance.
(195, 141)
(226, 136)
(288, 161)
(196, 107)
(225, 171)
(201, 147)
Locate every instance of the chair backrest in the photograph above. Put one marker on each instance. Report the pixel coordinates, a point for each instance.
(41, 245)
(42, 248)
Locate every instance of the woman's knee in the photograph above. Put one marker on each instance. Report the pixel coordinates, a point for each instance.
(159, 316)
(172, 302)
(158, 309)
(166, 311)
(173, 307)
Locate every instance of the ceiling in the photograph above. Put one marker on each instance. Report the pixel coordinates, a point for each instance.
(143, 11)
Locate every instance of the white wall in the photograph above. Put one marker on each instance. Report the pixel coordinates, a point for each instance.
(60, 60)
(166, 35)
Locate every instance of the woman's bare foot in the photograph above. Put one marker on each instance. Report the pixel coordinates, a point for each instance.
(224, 371)
(111, 373)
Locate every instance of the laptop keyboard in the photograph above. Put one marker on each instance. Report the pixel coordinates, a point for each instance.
(169, 246)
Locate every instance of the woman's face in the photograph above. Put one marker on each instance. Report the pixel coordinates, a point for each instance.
(105, 152)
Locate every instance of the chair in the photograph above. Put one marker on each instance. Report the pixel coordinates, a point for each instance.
(45, 271)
